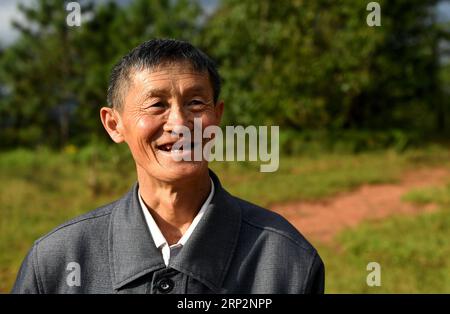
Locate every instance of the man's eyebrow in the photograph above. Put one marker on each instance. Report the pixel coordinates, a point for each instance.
(155, 92)
(196, 89)
(159, 92)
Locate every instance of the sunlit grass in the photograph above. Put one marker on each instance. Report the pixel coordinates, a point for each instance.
(41, 189)
(414, 252)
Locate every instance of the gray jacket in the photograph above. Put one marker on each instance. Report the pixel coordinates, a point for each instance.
(237, 247)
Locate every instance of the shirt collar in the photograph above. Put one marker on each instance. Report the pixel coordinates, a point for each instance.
(205, 257)
(156, 233)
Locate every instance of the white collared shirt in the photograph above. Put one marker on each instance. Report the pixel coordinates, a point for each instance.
(160, 241)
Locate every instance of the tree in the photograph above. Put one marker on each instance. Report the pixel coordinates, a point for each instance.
(318, 65)
(57, 75)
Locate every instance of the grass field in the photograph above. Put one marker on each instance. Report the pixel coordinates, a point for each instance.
(41, 189)
(414, 252)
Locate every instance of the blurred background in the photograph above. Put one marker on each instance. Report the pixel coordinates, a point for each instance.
(364, 116)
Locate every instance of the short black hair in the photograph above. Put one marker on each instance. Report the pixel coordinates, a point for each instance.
(157, 52)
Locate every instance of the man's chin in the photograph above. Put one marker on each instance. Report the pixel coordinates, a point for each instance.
(180, 170)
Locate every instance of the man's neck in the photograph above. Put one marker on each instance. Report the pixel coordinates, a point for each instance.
(174, 205)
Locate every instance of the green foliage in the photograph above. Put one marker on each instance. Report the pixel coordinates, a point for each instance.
(56, 76)
(311, 66)
(279, 61)
(347, 141)
(317, 65)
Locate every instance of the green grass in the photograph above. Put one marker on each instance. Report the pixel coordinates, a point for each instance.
(414, 251)
(41, 189)
(429, 195)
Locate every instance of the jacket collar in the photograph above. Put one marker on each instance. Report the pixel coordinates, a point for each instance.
(206, 256)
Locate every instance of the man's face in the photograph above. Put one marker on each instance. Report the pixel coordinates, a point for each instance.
(155, 105)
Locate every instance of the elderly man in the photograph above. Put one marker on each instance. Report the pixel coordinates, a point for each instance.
(177, 230)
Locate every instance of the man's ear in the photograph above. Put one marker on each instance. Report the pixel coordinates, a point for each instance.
(112, 123)
(219, 111)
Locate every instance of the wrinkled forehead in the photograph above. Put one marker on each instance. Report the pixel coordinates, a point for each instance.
(169, 74)
(166, 80)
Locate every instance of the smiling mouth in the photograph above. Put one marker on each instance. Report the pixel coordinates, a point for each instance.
(170, 147)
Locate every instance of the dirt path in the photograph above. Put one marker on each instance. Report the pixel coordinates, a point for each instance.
(322, 220)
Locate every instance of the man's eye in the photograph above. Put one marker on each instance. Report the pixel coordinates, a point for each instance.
(157, 105)
(196, 102)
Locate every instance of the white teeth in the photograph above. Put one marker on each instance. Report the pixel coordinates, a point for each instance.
(166, 147)
(170, 147)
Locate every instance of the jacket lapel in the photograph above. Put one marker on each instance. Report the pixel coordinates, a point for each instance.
(206, 256)
(132, 251)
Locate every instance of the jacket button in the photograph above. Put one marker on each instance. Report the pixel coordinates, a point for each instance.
(165, 285)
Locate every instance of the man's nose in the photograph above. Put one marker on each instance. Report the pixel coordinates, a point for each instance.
(177, 117)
